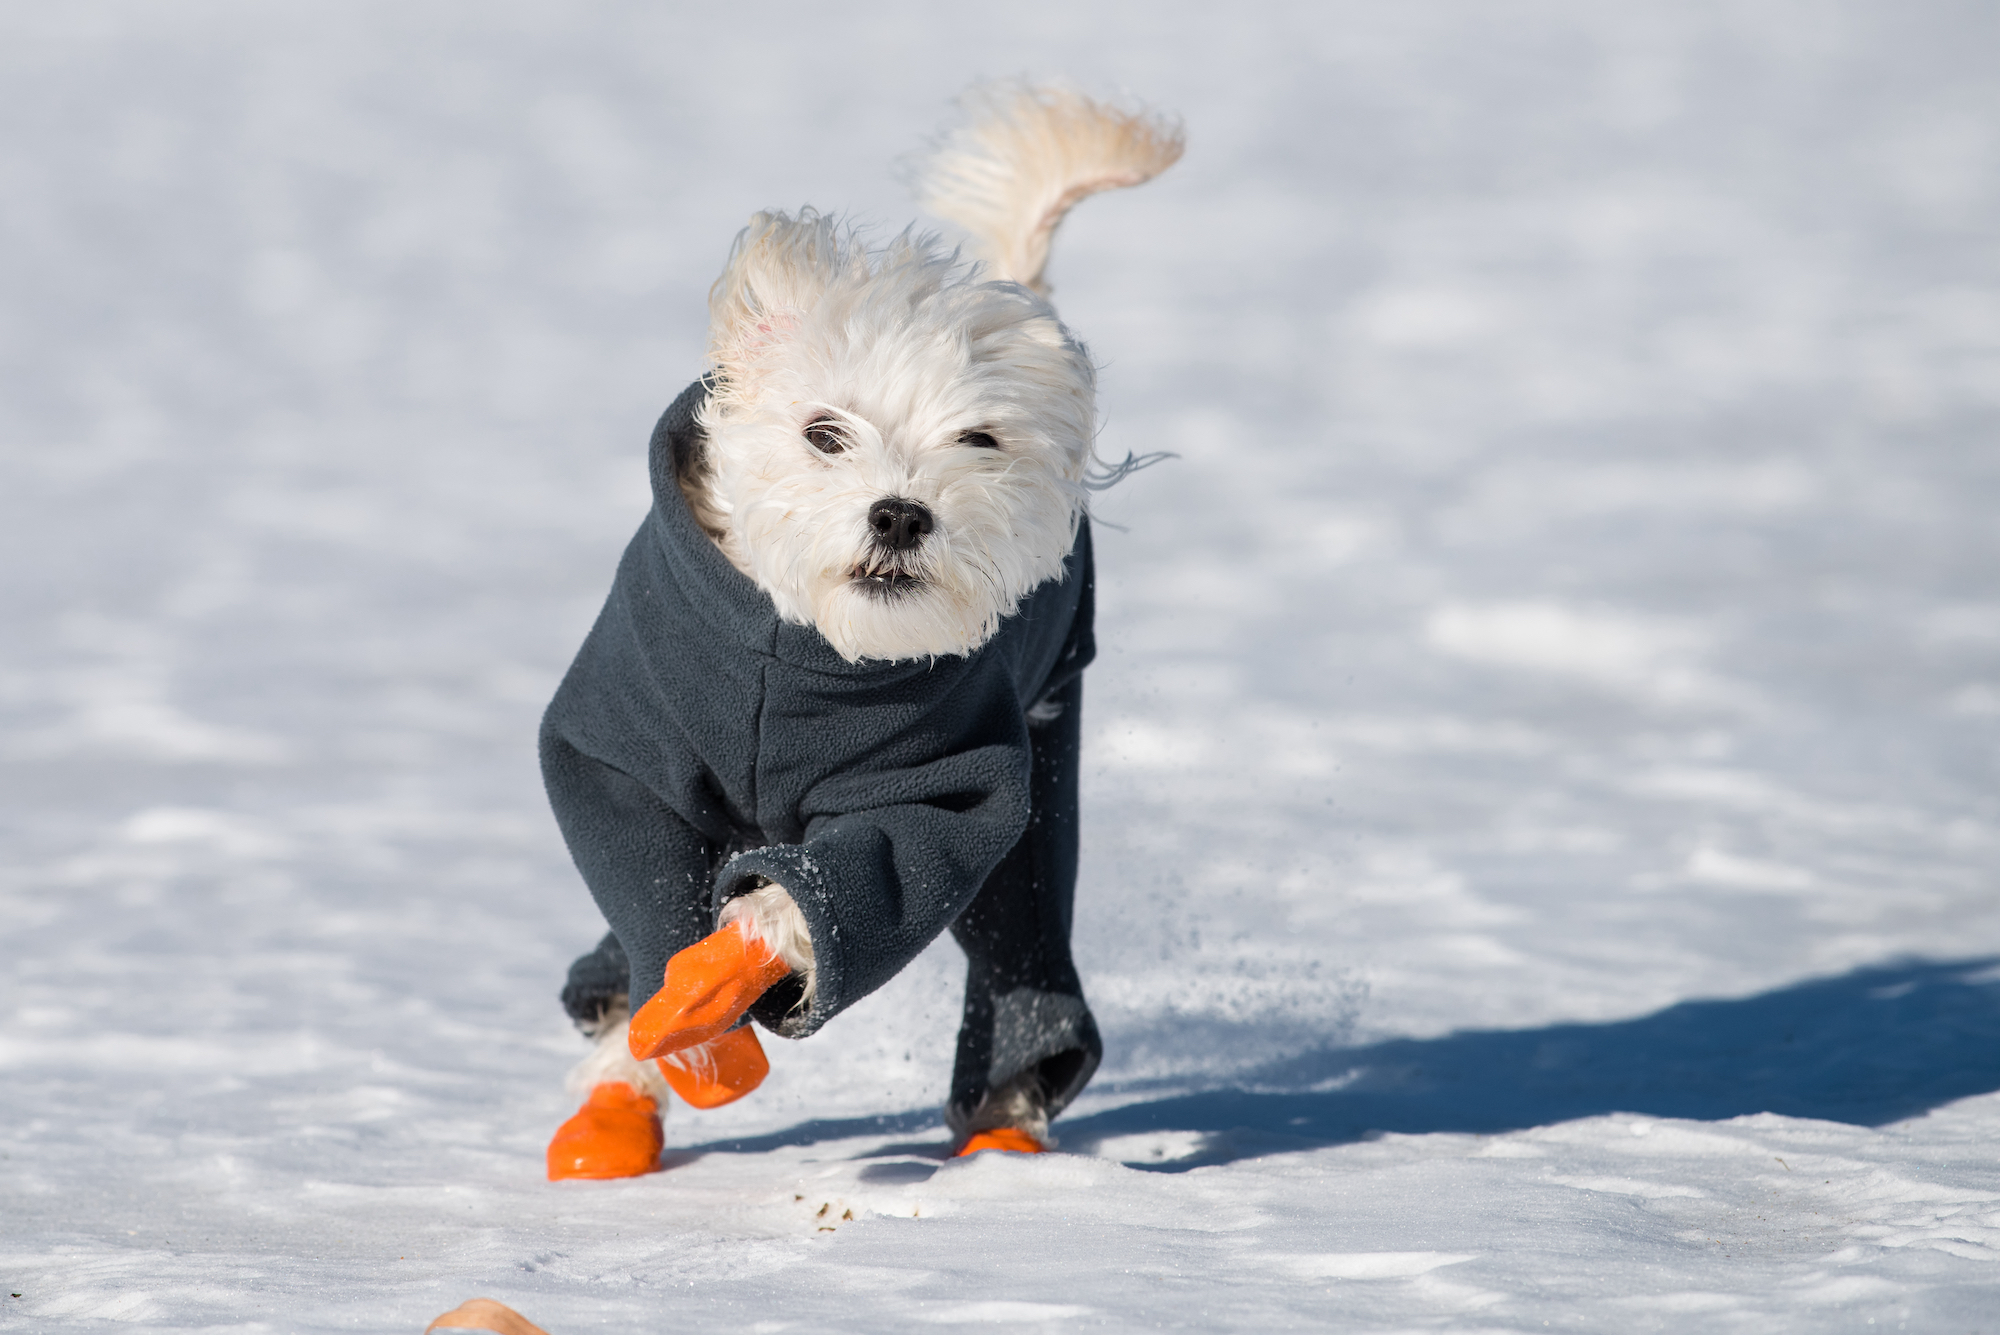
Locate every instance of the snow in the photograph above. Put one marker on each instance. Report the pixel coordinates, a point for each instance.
(1541, 772)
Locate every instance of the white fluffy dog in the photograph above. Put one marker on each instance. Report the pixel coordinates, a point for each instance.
(848, 375)
(898, 444)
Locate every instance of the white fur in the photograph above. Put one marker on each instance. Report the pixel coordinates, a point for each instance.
(768, 914)
(610, 1059)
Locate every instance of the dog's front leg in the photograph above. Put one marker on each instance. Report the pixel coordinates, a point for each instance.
(683, 1039)
(625, 1079)
(708, 986)
(774, 919)
(617, 1132)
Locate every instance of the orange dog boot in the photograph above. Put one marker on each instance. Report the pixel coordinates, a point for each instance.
(720, 1071)
(1001, 1138)
(707, 988)
(615, 1134)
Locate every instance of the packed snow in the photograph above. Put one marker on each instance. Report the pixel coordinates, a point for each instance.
(1542, 794)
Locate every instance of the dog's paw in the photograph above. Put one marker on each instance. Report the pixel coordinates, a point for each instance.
(1009, 1138)
(615, 1134)
(594, 995)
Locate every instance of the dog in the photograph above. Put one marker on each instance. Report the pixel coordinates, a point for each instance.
(832, 706)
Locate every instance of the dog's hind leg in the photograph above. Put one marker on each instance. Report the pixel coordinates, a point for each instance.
(1028, 1044)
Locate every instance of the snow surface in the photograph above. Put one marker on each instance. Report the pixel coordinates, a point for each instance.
(1542, 801)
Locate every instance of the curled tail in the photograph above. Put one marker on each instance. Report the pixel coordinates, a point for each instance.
(1025, 158)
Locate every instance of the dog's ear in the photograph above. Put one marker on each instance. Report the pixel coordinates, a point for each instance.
(778, 270)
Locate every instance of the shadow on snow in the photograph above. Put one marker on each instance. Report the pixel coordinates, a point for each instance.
(1873, 1046)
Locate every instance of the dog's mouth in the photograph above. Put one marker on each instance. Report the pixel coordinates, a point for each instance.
(884, 579)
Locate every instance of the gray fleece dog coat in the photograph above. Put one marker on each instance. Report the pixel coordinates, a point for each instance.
(700, 747)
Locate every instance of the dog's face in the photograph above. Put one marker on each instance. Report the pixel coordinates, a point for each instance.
(895, 450)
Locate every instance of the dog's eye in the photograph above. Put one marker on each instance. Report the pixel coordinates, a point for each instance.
(824, 436)
(979, 440)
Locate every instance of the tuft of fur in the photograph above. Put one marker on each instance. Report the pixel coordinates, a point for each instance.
(1026, 157)
(610, 1059)
(769, 915)
(1018, 1105)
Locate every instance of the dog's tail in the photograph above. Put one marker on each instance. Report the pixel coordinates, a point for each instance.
(1025, 157)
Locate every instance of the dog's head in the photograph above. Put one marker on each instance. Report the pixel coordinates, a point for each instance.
(895, 448)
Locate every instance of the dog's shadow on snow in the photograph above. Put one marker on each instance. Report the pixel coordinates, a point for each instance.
(1873, 1046)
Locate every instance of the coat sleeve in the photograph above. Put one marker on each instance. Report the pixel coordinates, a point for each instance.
(890, 858)
(646, 867)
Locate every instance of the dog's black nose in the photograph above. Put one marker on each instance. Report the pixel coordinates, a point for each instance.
(898, 524)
